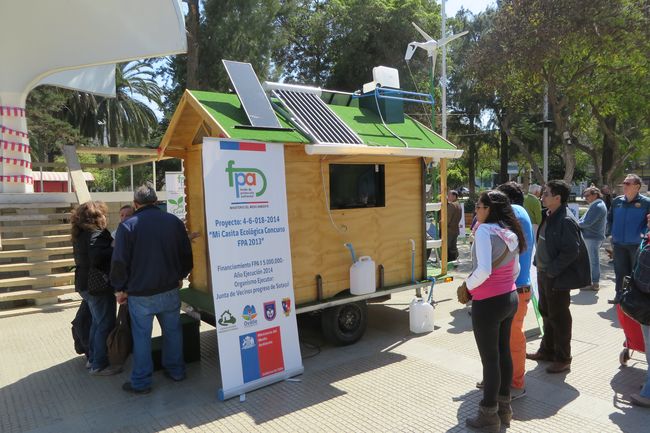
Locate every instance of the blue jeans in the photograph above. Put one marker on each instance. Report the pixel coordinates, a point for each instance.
(645, 392)
(593, 249)
(166, 307)
(102, 310)
(624, 260)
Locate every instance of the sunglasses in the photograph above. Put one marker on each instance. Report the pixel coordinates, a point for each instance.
(627, 182)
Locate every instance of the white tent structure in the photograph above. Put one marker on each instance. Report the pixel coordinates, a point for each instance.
(73, 44)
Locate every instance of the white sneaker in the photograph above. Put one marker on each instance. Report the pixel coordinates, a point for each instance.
(106, 371)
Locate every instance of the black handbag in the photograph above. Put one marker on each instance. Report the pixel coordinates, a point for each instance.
(635, 303)
(98, 283)
(120, 342)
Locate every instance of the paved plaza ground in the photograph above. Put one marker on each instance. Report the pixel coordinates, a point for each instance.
(390, 381)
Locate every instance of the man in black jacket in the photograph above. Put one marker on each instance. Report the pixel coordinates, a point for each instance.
(152, 255)
(562, 264)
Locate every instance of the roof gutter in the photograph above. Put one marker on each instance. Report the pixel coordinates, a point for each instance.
(355, 149)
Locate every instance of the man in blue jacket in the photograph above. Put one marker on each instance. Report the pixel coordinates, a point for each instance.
(627, 222)
(152, 255)
(593, 224)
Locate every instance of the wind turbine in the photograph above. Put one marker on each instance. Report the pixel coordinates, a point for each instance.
(430, 45)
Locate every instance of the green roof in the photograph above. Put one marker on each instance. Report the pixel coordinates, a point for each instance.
(371, 130)
(226, 109)
(228, 112)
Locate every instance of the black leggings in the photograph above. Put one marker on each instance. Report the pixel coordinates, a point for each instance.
(492, 320)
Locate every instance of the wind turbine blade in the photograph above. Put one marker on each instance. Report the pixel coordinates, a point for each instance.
(409, 51)
(422, 32)
(448, 39)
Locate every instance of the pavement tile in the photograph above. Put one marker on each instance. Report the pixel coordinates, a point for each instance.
(390, 381)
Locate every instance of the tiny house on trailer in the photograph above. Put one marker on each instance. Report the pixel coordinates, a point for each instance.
(370, 195)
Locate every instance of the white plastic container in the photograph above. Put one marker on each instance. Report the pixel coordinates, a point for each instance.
(420, 316)
(362, 276)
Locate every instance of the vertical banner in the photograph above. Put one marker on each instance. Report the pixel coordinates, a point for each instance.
(175, 187)
(250, 262)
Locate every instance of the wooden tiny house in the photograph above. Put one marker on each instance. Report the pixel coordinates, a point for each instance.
(322, 216)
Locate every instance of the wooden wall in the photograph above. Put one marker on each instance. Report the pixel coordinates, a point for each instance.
(195, 219)
(316, 245)
(382, 233)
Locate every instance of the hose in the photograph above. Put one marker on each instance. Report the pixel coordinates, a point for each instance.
(354, 256)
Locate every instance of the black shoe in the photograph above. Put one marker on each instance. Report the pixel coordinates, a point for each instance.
(170, 377)
(616, 300)
(129, 388)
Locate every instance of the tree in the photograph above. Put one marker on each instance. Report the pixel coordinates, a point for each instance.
(241, 30)
(46, 129)
(578, 49)
(125, 118)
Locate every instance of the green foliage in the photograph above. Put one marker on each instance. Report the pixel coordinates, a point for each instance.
(592, 55)
(47, 131)
(241, 30)
(125, 118)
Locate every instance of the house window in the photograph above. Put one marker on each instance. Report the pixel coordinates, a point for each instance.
(357, 186)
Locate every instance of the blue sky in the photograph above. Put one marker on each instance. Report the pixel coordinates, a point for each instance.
(476, 6)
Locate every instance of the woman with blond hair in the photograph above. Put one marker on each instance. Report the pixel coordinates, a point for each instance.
(91, 243)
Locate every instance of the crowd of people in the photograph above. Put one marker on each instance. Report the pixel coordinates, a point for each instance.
(136, 266)
(514, 230)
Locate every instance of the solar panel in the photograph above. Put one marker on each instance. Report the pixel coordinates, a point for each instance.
(316, 118)
(252, 96)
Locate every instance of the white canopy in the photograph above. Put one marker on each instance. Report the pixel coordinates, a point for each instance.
(46, 36)
(73, 44)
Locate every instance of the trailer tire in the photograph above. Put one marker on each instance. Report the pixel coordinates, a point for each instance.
(345, 324)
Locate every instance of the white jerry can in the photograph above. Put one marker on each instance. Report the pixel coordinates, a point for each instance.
(362, 276)
(420, 316)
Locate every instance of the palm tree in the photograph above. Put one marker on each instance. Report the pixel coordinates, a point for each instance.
(125, 118)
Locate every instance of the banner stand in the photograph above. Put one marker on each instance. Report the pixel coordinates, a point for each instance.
(247, 228)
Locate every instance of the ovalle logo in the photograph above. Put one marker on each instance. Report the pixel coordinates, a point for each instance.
(249, 315)
(248, 182)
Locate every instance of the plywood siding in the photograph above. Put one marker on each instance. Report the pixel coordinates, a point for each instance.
(316, 245)
(382, 233)
(200, 276)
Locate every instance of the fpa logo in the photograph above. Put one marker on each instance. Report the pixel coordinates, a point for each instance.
(248, 182)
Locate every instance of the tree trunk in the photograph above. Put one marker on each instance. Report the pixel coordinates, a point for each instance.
(609, 147)
(192, 25)
(503, 166)
(537, 173)
(471, 168)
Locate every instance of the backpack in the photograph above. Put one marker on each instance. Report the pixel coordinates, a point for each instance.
(81, 328)
(641, 274)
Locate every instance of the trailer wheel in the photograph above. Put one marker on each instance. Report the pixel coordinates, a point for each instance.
(345, 324)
